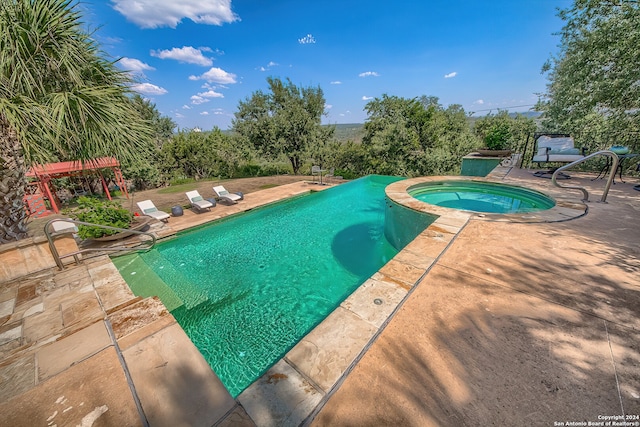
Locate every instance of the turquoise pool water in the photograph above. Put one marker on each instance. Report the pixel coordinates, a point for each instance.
(248, 288)
(478, 196)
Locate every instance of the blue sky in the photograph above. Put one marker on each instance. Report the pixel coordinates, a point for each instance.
(196, 59)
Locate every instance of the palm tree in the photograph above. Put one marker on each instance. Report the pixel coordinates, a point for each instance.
(60, 98)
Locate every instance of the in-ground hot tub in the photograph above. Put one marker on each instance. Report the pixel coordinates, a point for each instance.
(481, 196)
(455, 199)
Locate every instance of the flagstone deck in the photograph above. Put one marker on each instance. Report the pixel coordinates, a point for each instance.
(478, 321)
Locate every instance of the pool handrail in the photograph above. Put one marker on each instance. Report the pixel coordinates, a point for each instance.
(585, 193)
(58, 258)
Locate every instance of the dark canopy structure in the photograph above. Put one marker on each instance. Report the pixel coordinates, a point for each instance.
(45, 173)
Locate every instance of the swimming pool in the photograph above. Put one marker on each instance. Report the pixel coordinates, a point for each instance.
(248, 288)
(481, 196)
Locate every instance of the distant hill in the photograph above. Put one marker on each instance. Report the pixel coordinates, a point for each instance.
(348, 132)
(344, 132)
(355, 131)
(528, 114)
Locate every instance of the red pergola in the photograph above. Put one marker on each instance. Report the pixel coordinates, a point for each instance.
(45, 173)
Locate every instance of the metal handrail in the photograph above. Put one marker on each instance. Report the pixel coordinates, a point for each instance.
(58, 258)
(585, 193)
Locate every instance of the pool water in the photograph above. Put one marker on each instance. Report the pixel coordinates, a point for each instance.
(247, 289)
(480, 196)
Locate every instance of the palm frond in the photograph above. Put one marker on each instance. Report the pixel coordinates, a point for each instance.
(59, 92)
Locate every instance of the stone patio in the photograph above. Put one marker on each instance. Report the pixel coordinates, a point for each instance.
(477, 321)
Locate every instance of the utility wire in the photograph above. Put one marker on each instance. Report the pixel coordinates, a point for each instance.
(503, 108)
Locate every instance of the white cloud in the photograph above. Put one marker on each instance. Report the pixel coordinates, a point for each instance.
(336, 82)
(269, 66)
(216, 75)
(204, 113)
(134, 65)
(450, 75)
(187, 54)
(178, 115)
(328, 106)
(369, 74)
(308, 39)
(197, 100)
(186, 107)
(211, 94)
(479, 102)
(149, 89)
(169, 13)
(366, 98)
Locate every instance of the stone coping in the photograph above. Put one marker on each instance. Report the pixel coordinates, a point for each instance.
(565, 208)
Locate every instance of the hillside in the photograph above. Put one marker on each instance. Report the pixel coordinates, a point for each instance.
(349, 132)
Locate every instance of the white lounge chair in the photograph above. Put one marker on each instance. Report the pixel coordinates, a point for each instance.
(223, 194)
(197, 202)
(148, 208)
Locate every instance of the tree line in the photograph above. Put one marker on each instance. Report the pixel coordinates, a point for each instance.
(280, 132)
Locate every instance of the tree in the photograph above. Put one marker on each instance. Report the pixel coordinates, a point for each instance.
(349, 158)
(162, 126)
(415, 136)
(188, 155)
(143, 169)
(517, 128)
(201, 155)
(286, 121)
(593, 91)
(59, 98)
(392, 134)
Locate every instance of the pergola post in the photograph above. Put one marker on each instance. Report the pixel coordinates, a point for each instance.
(120, 181)
(45, 184)
(105, 187)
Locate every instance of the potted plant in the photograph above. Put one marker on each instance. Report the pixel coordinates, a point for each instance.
(497, 141)
(104, 212)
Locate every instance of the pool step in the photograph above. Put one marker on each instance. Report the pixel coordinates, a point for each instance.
(144, 282)
(181, 286)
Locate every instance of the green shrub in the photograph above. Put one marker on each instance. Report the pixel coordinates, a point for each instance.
(248, 170)
(99, 211)
(180, 181)
(497, 137)
(346, 174)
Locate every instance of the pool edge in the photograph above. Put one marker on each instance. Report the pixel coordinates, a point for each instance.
(564, 209)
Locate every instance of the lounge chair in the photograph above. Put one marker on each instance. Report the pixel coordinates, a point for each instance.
(555, 148)
(197, 202)
(223, 194)
(148, 208)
